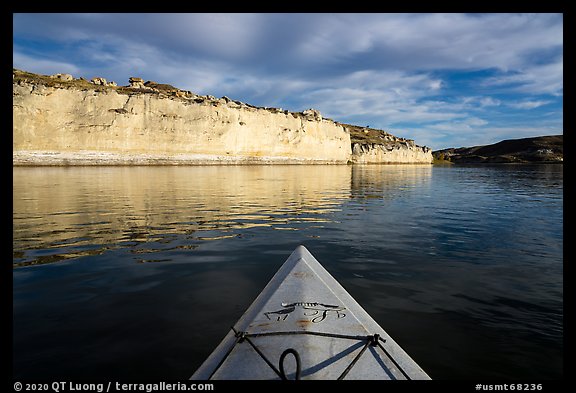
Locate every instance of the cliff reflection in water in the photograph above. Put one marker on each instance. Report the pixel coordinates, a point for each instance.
(387, 181)
(61, 213)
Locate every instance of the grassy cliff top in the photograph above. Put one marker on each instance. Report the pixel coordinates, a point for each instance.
(46, 80)
(372, 136)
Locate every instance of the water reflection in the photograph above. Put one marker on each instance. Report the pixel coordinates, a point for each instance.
(387, 181)
(62, 213)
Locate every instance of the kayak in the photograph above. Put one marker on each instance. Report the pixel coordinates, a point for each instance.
(305, 325)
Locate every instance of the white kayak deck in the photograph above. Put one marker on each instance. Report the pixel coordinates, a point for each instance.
(304, 308)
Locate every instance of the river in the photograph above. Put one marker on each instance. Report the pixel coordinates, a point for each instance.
(139, 272)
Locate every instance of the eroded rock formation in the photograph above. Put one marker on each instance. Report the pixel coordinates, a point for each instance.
(60, 120)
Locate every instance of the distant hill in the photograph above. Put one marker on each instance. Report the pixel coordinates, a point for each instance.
(542, 149)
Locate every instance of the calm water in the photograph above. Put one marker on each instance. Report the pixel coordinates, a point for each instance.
(139, 272)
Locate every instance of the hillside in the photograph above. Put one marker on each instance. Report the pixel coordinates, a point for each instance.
(542, 149)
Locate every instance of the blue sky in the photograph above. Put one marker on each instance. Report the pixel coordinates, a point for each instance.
(444, 80)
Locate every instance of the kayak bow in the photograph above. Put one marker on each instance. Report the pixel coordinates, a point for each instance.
(305, 325)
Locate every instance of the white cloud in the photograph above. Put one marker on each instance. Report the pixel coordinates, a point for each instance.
(489, 101)
(533, 79)
(389, 41)
(464, 125)
(473, 103)
(392, 95)
(528, 104)
(42, 66)
(429, 41)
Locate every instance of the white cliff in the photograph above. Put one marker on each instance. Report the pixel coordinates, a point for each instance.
(64, 121)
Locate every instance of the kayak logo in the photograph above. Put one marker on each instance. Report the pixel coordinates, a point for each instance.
(316, 311)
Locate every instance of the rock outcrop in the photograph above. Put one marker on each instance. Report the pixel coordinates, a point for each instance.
(372, 146)
(62, 77)
(65, 121)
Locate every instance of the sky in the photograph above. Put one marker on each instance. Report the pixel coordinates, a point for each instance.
(444, 80)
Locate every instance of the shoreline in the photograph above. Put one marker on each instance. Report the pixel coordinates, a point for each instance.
(109, 159)
(97, 158)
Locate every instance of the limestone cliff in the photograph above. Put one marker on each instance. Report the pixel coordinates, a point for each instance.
(60, 120)
(372, 146)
